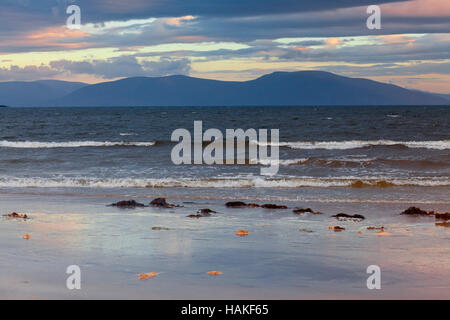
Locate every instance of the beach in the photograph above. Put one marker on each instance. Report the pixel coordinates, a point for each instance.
(285, 256)
(63, 168)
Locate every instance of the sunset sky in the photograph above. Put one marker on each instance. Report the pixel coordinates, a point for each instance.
(226, 39)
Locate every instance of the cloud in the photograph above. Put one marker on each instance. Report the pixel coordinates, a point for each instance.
(124, 66)
(161, 37)
(120, 67)
(134, 23)
(27, 73)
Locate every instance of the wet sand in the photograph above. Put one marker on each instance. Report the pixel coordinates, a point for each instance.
(275, 261)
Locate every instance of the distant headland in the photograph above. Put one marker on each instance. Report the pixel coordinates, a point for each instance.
(301, 88)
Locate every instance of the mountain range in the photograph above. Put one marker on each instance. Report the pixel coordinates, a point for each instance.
(302, 88)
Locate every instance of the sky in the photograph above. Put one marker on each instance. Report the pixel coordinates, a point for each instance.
(234, 40)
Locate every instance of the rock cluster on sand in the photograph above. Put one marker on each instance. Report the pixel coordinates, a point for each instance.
(413, 211)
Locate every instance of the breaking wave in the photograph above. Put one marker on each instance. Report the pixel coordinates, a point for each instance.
(356, 163)
(356, 144)
(250, 182)
(71, 144)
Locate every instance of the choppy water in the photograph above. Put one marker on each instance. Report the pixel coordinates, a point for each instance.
(319, 147)
(62, 166)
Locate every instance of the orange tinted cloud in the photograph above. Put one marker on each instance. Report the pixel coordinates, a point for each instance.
(178, 20)
(418, 8)
(333, 41)
(397, 39)
(52, 37)
(57, 33)
(300, 48)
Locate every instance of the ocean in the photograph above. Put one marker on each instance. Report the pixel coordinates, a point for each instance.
(320, 147)
(64, 166)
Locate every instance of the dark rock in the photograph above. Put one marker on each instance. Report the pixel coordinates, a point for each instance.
(240, 204)
(343, 216)
(236, 204)
(336, 228)
(195, 216)
(442, 216)
(162, 203)
(443, 224)
(307, 210)
(376, 228)
(206, 211)
(253, 205)
(273, 206)
(16, 215)
(127, 204)
(202, 213)
(413, 211)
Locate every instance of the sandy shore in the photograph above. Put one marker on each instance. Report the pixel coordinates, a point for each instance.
(277, 260)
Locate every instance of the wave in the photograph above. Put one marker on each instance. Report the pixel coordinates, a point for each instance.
(250, 182)
(356, 144)
(356, 163)
(128, 134)
(71, 144)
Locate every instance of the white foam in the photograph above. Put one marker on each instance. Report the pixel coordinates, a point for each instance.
(238, 182)
(128, 134)
(289, 162)
(355, 144)
(70, 144)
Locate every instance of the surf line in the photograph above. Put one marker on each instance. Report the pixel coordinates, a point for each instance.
(235, 140)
